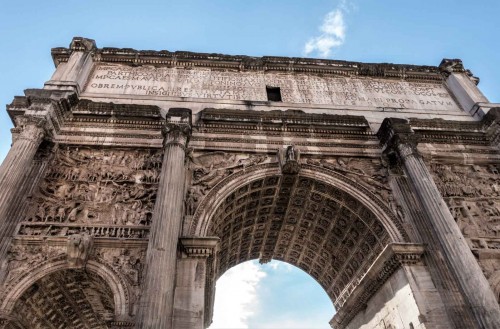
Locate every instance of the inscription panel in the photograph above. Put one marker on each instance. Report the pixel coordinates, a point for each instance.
(295, 88)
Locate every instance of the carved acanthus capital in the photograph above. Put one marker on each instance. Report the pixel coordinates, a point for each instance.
(199, 247)
(398, 140)
(30, 128)
(177, 128)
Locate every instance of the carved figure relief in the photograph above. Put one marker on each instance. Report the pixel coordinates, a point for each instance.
(473, 196)
(210, 168)
(128, 261)
(23, 258)
(95, 187)
(371, 173)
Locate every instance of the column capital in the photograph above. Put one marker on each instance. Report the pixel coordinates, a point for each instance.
(177, 128)
(199, 247)
(30, 128)
(398, 140)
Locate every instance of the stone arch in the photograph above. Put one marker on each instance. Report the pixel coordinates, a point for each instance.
(336, 237)
(117, 285)
(204, 212)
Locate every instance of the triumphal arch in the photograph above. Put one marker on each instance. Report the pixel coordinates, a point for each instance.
(135, 179)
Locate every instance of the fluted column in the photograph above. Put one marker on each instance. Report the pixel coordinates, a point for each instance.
(156, 304)
(400, 144)
(27, 136)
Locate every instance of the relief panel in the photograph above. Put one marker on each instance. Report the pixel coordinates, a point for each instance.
(105, 192)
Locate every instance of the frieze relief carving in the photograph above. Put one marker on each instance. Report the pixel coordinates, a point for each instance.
(94, 188)
(210, 168)
(472, 193)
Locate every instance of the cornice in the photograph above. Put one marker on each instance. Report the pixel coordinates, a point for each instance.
(282, 123)
(186, 59)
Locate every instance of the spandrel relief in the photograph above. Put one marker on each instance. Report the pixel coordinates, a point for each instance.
(128, 261)
(472, 193)
(210, 168)
(23, 258)
(92, 187)
(371, 173)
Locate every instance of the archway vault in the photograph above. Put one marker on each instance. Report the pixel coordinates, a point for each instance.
(95, 295)
(319, 221)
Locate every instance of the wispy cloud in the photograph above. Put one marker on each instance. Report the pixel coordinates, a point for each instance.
(333, 32)
(236, 298)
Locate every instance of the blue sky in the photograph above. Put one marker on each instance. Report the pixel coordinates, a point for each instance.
(411, 32)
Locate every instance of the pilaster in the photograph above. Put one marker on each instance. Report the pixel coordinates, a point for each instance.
(438, 227)
(463, 86)
(73, 73)
(193, 293)
(156, 304)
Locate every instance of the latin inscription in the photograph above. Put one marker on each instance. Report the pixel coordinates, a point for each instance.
(295, 88)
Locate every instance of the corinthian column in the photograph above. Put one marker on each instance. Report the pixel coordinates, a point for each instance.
(439, 227)
(156, 304)
(27, 136)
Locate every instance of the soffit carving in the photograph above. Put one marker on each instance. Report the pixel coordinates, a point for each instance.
(66, 299)
(309, 224)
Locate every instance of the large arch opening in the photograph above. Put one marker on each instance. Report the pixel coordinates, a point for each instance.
(301, 220)
(66, 298)
(272, 295)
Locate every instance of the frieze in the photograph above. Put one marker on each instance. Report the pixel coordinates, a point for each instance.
(44, 230)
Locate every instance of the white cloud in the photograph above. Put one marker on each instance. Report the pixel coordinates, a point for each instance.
(333, 32)
(236, 296)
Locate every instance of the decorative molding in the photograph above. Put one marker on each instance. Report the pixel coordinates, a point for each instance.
(199, 247)
(185, 59)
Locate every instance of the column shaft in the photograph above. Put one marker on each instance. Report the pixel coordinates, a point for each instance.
(14, 169)
(456, 252)
(156, 305)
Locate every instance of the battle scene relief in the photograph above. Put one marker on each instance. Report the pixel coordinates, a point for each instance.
(104, 192)
(472, 193)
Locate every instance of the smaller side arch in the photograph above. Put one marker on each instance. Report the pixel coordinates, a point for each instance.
(118, 286)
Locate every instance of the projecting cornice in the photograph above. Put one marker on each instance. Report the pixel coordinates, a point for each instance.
(185, 59)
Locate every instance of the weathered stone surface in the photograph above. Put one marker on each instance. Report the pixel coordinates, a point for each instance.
(137, 178)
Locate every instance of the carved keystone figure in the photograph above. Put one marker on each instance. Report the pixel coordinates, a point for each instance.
(79, 247)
